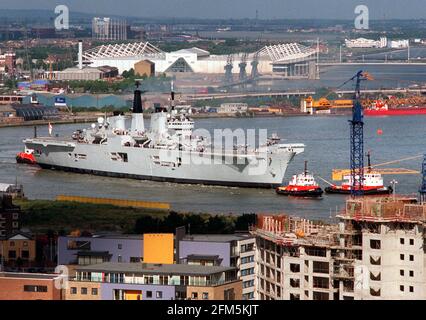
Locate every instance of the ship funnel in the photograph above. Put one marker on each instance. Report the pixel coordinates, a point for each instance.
(137, 100)
(172, 96)
(80, 54)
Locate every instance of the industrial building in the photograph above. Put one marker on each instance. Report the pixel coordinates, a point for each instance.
(231, 108)
(374, 252)
(367, 43)
(289, 60)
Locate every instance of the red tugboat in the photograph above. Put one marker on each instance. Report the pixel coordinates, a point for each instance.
(372, 184)
(26, 157)
(301, 185)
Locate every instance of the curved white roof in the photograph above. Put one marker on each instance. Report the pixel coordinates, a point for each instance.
(122, 50)
(287, 52)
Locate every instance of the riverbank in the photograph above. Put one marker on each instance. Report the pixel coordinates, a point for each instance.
(64, 217)
(90, 117)
(53, 121)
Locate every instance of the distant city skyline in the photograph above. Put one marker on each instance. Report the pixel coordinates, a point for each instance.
(267, 9)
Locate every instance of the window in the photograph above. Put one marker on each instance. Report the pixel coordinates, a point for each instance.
(30, 288)
(377, 277)
(120, 259)
(12, 254)
(229, 294)
(401, 273)
(322, 283)
(295, 283)
(375, 244)
(411, 257)
(247, 272)
(25, 244)
(120, 246)
(375, 262)
(194, 295)
(247, 259)
(320, 267)
(83, 290)
(25, 254)
(12, 243)
(294, 267)
(411, 289)
(73, 290)
(94, 291)
(135, 259)
(294, 296)
(401, 288)
(411, 242)
(375, 293)
(320, 296)
(401, 256)
(159, 294)
(401, 241)
(411, 273)
(149, 294)
(205, 296)
(248, 284)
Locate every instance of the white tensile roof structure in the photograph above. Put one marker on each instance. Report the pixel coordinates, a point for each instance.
(287, 53)
(122, 50)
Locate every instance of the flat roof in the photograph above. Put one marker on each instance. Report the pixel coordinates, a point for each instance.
(149, 268)
(217, 237)
(202, 257)
(40, 276)
(107, 236)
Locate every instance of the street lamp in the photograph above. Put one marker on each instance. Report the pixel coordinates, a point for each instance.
(394, 183)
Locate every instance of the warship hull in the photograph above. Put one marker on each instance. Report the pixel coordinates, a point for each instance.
(258, 170)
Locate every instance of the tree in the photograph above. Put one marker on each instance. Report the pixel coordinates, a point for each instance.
(243, 222)
(146, 224)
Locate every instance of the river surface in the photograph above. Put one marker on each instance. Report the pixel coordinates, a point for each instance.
(327, 147)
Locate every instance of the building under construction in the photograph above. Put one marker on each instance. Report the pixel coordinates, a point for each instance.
(109, 29)
(375, 251)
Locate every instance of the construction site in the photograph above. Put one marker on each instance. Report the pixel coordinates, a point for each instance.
(373, 251)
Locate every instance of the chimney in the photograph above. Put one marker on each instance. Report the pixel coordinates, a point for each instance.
(137, 100)
(80, 54)
(172, 96)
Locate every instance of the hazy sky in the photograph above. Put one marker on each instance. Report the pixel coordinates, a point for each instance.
(379, 9)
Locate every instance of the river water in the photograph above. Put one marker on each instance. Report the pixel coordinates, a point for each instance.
(327, 147)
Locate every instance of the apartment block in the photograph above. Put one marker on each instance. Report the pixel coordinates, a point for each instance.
(235, 250)
(141, 281)
(10, 216)
(375, 251)
(18, 249)
(99, 248)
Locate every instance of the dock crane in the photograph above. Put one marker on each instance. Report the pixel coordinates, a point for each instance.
(422, 190)
(228, 69)
(357, 136)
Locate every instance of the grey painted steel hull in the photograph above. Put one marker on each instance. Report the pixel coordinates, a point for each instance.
(255, 170)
